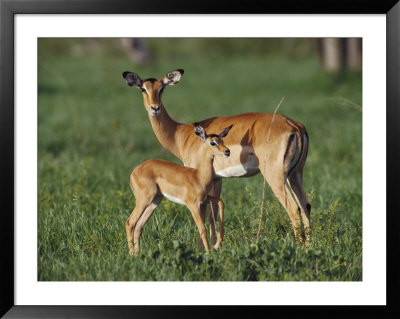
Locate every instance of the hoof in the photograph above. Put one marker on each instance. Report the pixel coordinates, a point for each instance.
(217, 246)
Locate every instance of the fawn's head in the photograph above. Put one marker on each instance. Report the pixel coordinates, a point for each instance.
(152, 88)
(214, 141)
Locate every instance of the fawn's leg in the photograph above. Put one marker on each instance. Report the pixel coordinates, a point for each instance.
(212, 212)
(130, 223)
(213, 209)
(195, 210)
(142, 221)
(220, 234)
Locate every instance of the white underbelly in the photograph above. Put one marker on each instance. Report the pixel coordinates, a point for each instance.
(249, 168)
(174, 199)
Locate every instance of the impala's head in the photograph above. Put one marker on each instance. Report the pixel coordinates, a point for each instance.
(152, 88)
(214, 140)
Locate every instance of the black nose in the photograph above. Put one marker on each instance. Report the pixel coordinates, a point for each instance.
(227, 152)
(155, 108)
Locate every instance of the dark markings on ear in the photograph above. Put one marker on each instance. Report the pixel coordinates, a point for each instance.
(172, 74)
(199, 131)
(173, 77)
(132, 79)
(225, 131)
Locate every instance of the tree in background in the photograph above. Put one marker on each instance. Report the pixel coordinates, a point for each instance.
(340, 53)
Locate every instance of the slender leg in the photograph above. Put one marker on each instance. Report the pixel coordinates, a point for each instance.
(144, 198)
(142, 221)
(276, 180)
(220, 234)
(203, 208)
(130, 223)
(213, 210)
(195, 210)
(296, 184)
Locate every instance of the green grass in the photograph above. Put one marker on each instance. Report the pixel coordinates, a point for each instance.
(93, 130)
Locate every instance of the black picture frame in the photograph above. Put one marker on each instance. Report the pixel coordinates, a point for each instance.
(8, 10)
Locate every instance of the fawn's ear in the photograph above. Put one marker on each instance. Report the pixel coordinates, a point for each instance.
(225, 131)
(199, 131)
(172, 77)
(132, 79)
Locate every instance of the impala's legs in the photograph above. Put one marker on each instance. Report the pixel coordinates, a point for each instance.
(143, 219)
(220, 234)
(213, 211)
(130, 223)
(296, 184)
(275, 177)
(145, 197)
(196, 213)
(203, 209)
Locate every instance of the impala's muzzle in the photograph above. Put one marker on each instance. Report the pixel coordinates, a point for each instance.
(155, 110)
(227, 153)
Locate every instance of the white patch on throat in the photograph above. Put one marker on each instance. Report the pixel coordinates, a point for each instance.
(174, 199)
(155, 113)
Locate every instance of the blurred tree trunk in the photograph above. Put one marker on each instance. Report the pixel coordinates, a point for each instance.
(340, 53)
(330, 54)
(354, 54)
(137, 50)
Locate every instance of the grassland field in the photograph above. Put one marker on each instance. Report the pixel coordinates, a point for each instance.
(93, 130)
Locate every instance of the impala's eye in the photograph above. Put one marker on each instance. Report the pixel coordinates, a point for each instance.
(213, 144)
(143, 89)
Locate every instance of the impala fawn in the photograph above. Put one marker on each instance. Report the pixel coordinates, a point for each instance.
(155, 179)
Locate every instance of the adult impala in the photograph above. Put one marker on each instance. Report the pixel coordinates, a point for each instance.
(153, 179)
(271, 144)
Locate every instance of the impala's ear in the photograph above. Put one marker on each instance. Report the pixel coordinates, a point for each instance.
(132, 79)
(172, 77)
(199, 131)
(225, 131)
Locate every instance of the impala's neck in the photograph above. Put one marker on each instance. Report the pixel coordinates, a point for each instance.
(205, 170)
(165, 128)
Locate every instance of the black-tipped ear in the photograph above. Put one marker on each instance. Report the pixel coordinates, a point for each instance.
(199, 131)
(225, 131)
(132, 79)
(172, 77)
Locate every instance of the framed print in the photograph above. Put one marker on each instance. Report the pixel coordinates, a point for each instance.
(81, 87)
